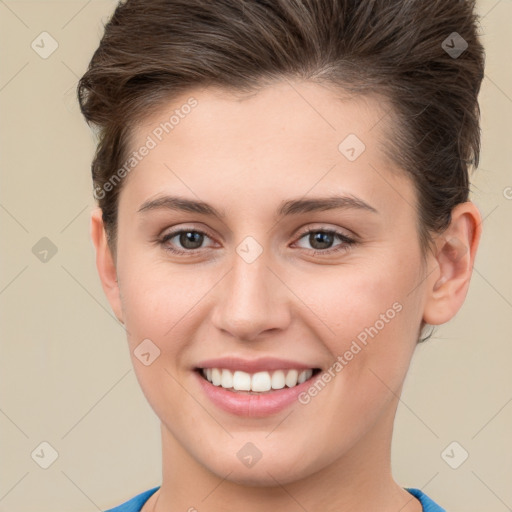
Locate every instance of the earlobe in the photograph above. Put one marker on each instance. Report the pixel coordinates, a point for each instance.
(105, 263)
(455, 255)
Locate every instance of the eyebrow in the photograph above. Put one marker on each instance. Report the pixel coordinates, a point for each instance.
(287, 208)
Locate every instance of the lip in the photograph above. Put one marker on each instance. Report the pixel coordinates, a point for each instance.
(262, 364)
(253, 406)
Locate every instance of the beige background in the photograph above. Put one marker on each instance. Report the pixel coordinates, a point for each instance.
(66, 375)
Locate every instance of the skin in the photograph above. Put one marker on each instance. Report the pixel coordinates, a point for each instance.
(244, 157)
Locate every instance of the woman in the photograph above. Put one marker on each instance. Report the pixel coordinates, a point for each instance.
(283, 209)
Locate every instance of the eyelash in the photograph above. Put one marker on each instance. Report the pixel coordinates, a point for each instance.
(347, 244)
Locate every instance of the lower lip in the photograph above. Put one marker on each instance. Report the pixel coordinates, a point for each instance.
(253, 406)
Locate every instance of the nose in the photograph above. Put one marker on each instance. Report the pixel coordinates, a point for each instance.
(251, 301)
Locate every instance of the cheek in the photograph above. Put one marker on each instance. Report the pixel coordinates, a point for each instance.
(157, 296)
(158, 306)
(348, 299)
(367, 316)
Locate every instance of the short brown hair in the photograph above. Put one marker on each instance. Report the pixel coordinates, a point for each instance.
(153, 50)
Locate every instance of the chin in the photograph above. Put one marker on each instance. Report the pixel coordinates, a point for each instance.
(260, 479)
(269, 473)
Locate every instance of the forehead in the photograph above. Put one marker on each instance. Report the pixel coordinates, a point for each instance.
(284, 110)
(290, 137)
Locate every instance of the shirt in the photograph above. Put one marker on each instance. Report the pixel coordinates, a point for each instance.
(136, 503)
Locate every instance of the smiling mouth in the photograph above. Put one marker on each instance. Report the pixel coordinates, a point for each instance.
(256, 383)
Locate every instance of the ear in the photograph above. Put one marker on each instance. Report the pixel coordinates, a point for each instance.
(105, 263)
(455, 255)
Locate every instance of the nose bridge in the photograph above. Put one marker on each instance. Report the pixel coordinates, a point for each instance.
(251, 298)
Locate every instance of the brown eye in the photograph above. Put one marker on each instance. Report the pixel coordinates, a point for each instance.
(187, 240)
(321, 240)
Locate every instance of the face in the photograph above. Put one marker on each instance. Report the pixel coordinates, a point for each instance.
(268, 273)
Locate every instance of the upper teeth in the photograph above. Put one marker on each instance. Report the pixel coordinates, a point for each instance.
(260, 381)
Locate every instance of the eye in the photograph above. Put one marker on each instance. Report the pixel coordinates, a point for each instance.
(190, 239)
(322, 239)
